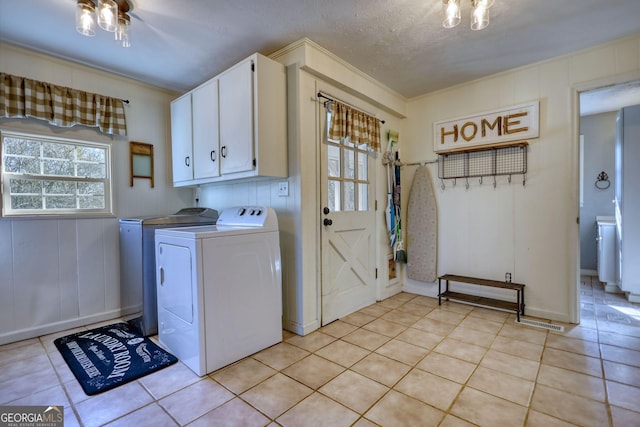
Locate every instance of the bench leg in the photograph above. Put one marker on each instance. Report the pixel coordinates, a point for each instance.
(439, 291)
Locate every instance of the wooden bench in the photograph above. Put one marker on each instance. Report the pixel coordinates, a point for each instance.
(517, 307)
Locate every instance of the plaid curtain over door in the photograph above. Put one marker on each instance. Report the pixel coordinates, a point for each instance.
(361, 128)
(60, 106)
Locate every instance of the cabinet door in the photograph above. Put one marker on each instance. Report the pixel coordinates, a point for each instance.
(236, 119)
(181, 137)
(205, 131)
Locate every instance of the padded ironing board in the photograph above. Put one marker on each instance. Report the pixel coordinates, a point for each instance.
(422, 228)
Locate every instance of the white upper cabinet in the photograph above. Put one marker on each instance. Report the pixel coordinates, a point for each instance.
(236, 118)
(181, 140)
(194, 135)
(206, 153)
(239, 125)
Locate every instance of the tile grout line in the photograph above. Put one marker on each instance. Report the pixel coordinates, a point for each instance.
(412, 366)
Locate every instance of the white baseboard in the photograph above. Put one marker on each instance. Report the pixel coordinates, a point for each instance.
(420, 288)
(613, 288)
(431, 290)
(633, 297)
(51, 328)
(300, 329)
(546, 314)
(394, 287)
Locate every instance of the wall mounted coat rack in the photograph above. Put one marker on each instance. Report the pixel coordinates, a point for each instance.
(503, 160)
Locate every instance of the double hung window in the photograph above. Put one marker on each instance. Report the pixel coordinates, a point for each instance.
(54, 176)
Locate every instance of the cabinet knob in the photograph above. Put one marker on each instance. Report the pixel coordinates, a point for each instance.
(223, 151)
(187, 161)
(213, 155)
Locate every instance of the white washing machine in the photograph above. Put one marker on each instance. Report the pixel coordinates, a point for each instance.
(220, 288)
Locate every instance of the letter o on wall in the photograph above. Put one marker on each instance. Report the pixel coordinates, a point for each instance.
(463, 131)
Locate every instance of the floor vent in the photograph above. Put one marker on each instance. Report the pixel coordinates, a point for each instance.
(543, 325)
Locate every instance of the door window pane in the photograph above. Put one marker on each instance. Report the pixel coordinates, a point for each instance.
(333, 158)
(349, 196)
(363, 197)
(349, 164)
(363, 172)
(333, 196)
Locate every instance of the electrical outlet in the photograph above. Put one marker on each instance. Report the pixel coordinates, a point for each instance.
(283, 188)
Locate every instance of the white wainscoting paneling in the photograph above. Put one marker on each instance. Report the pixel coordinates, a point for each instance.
(56, 274)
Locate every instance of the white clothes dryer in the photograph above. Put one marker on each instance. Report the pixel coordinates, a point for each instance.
(220, 288)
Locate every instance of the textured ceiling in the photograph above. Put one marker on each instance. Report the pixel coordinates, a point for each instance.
(401, 43)
(610, 98)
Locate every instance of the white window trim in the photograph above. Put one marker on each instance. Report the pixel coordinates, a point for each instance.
(5, 200)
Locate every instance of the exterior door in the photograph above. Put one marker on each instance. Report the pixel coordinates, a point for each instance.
(348, 249)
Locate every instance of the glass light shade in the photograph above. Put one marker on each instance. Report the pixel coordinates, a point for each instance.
(483, 3)
(108, 15)
(479, 15)
(86, 18)
(450, 13)
(122, 33)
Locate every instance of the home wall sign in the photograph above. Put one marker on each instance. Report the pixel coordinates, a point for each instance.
(491, 128)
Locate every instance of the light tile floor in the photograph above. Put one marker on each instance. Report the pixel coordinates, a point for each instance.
(404, 361)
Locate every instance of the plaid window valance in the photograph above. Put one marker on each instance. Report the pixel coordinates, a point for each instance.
(359, 127)
(60, 106)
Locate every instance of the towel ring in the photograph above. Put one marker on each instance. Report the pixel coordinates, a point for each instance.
(602, 181)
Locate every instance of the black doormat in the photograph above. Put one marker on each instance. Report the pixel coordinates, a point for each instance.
(106, 357)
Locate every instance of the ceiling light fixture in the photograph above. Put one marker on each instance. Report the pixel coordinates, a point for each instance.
(110, 15)
(479, 13)
(122, 33)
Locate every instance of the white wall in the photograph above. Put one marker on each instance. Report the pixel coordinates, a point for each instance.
(530, 231)
(55, 274)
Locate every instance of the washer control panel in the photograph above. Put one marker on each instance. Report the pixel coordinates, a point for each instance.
(247, 216)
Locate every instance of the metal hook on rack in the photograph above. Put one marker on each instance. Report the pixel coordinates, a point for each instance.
(466, 184)
(524, 178)
(480, 180)
(442, 185)
(509, 179)
(494, 181)
(454, 182)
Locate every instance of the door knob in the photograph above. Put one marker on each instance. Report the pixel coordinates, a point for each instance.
(326, 210)
(327, 222)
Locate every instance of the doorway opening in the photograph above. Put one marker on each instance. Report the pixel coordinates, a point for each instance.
(601, 303)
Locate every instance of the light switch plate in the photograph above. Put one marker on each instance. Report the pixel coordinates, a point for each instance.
(283, 188)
